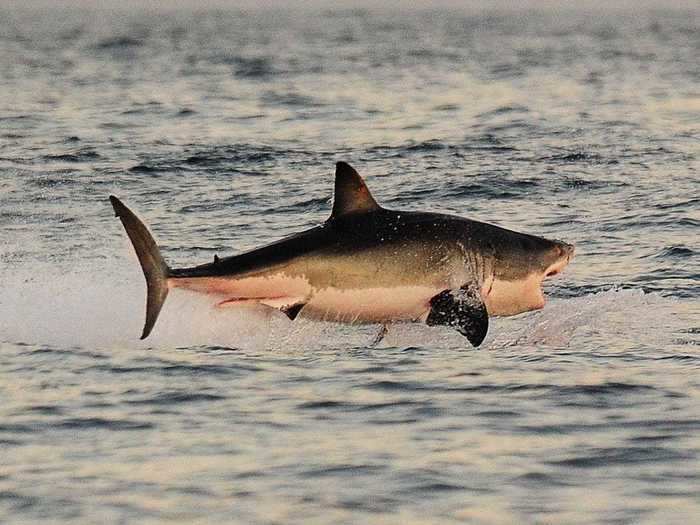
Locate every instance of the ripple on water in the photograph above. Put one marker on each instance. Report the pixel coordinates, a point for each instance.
(249, 67)
(80, 155)
(16, 428)
(176, 370)
(543, 479)
(245, 154)
(610, 456)
(46, 410)
(578, 157)
(176, 398)
(678, 252)
(18, 501)
(119, 43)
(492, 187)
(342, 470)
(84, 423)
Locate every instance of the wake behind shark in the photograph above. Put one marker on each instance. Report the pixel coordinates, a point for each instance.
(367, 264)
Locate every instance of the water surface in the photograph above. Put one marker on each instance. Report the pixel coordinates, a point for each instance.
(221, 128)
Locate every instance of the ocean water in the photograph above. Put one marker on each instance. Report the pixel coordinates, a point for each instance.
(221, 128)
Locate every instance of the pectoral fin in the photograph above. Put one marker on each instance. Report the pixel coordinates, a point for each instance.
(462, 309)
(292, 311)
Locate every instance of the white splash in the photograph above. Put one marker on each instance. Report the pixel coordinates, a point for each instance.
(615, 312)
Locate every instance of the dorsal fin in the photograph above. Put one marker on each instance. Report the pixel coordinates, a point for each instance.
(351, 193)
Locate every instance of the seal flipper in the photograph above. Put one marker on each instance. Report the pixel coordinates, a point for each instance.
(463, 309)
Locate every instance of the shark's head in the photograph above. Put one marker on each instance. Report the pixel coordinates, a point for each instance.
(520, 267)
(519, 263)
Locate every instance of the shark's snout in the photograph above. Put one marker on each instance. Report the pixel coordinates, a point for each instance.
(566, 249)
(563, 253)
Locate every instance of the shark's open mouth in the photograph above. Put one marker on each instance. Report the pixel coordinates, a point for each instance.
(556, 268)
(511, 297)
(551, 272)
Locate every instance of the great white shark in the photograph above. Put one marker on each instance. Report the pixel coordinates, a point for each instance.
(368, 264)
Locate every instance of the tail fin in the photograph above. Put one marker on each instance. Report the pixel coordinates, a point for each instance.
(154, 268)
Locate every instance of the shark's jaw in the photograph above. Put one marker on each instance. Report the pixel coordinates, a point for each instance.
(511, 297)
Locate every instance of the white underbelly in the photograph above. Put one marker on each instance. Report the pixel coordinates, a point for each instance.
(370, 305)
(361, 305)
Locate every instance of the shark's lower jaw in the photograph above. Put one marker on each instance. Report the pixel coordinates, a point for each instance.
(515, 297)
(525, 294)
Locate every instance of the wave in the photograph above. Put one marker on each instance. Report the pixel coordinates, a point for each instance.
(118, 43)
(240, 158)
(79, 155)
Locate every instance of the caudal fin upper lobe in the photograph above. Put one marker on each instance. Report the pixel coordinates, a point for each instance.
(155, 270)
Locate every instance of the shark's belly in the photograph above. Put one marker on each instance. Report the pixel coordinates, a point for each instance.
(326, 302)
(370, 305)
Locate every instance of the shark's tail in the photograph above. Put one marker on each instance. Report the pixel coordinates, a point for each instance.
(154, 268)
